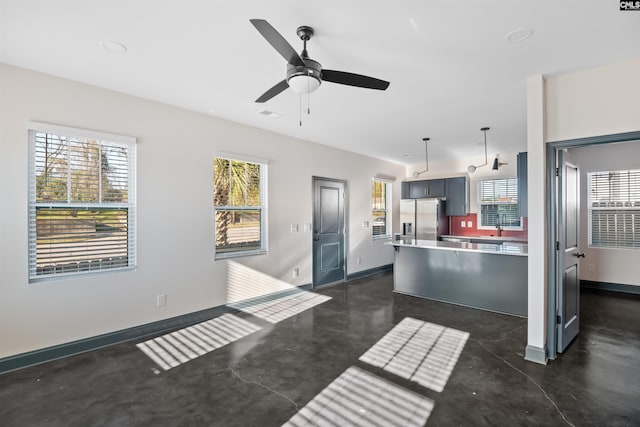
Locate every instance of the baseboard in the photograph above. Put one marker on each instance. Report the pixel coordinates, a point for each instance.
(613, 287)
(536, 354)
(369, 272)
(60, 351)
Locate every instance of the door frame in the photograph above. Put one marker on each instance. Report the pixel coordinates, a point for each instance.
(345, 235)
(554, 229)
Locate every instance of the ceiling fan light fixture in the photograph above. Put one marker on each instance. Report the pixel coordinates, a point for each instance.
(302, 83)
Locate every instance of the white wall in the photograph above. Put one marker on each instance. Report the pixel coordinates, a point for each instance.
(600, 101)
(175, 217)
(610, 265)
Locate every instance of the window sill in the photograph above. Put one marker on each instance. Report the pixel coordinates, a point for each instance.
(227, 255)
(77, 275)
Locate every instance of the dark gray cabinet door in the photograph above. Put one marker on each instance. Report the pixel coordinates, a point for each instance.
(522, 184)
(429, 188)
(406, 190)
(457, 194)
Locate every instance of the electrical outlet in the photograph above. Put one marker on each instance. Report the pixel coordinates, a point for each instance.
(358, 260)
(296, 272)
(307, 226)
(591, 268)
(469, 224)
(294, 228)
(161, 300)
(463, 224)
(365, 224)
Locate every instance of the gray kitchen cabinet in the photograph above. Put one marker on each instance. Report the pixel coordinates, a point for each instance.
(406, 190)
(522, 184)
(428, 188)
(457, 194)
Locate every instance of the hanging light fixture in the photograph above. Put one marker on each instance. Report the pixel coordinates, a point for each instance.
(472, 168)
(497, 163)
(426, 154)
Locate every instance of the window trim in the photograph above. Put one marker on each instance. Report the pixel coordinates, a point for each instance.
(264, 235)
(388, 209)
(479, 225)
(32, 205)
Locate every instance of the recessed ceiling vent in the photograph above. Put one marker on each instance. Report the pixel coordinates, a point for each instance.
(269, 113)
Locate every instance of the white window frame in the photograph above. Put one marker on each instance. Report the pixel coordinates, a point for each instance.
(480, 226)
(622, 207)
(264, 240)
(102, 137)
(388, 208)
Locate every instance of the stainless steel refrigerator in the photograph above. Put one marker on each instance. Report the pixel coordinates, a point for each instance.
(423, 219)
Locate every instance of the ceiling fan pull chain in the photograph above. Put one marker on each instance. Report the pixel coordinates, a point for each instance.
(300, 108)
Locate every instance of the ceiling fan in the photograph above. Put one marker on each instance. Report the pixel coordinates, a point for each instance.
(304, 75)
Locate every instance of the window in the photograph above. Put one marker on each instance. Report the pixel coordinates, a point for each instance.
(498, 204)
(81, 202)
(614, 209)
(240, 199)
(381, 208)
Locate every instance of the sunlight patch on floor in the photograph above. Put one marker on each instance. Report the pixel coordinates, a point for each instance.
(358, 398)
(173, 349)
(419, 351)
(282, 308)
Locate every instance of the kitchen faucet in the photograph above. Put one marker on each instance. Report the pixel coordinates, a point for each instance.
(499, 225)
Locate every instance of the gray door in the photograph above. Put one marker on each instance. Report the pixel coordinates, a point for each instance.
(568, 280)
(328, 231)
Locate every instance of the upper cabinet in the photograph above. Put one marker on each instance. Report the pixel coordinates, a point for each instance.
(406, 190)
(429, 188)
(522, 184)
(457, 193)
(455, 190)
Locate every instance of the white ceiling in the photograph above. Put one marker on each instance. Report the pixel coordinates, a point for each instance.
(450, 67)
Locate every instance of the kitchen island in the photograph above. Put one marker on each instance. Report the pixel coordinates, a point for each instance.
(486, 276)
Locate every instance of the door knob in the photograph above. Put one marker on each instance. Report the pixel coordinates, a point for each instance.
(579, 255)
(316, 238)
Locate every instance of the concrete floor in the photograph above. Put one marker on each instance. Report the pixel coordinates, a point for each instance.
(266, 377)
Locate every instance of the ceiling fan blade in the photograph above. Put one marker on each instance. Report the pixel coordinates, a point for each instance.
(277, 41)
(279, 87)
(344, 78)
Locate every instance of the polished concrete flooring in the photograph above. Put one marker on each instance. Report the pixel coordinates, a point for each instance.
(309, 368)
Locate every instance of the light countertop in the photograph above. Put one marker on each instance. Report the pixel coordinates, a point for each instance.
(507, 248)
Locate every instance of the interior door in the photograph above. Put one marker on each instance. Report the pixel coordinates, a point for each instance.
(328, 231)
(568, 251)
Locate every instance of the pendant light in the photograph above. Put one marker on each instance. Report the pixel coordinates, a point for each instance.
(472, 168)
(426, 154)
(497, 163)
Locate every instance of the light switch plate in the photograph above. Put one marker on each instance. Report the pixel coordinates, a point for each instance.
(469, 224)
(307, 226)
(463, 224)
(294, 228)
(365, 224)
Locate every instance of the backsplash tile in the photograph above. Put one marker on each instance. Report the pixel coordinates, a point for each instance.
(455, 228)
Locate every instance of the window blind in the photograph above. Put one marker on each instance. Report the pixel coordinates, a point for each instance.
(81, 205)
(614, 209)
(498, 201)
